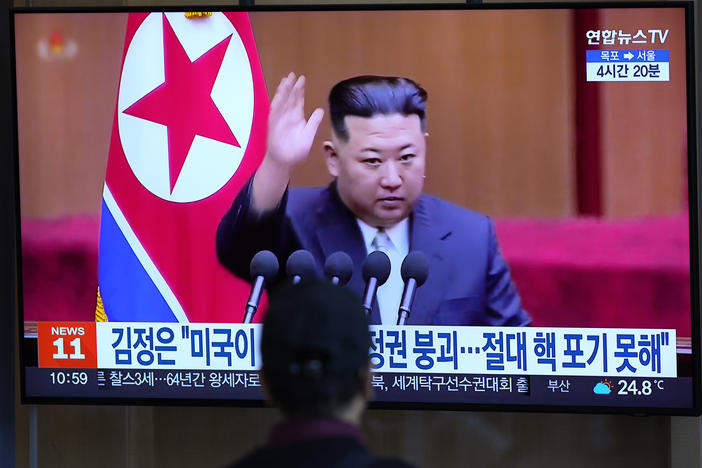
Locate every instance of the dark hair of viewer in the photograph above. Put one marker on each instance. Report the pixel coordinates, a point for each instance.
(314, 347)
(369, 95)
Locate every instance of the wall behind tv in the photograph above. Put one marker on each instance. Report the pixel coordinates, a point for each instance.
(501, 121)
(116, 436)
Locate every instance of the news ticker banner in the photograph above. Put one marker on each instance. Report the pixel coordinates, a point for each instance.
(409, 349)
(500, 389)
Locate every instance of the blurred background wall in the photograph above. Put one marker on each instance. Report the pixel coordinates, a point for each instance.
(501, 113)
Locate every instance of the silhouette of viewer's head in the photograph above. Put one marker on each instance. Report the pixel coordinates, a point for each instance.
(314, 348)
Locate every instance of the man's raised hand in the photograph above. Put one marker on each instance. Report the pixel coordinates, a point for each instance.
(290, 135)
(290, 138)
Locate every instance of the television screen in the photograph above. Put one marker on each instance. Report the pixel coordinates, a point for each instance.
(529, 173)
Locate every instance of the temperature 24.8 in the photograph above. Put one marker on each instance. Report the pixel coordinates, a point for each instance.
(639, 387)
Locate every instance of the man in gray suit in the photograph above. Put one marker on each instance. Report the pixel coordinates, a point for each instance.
(377, 158)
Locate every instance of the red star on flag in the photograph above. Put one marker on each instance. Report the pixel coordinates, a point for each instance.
(183, 102)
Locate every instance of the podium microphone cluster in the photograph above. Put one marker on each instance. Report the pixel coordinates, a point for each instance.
(338, 268)
(263, 269)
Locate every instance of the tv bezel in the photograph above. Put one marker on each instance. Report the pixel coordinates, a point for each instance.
(11, 181)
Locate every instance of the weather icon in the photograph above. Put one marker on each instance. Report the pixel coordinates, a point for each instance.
(603, 388)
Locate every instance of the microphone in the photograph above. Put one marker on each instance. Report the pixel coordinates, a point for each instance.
(300, 265)
(376, 270)
(263, 268)
(414, 271)
(338, 268)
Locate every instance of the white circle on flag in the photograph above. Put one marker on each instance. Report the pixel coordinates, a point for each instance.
(209, 163)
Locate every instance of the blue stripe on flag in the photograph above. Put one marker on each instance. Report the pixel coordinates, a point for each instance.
(128, 292)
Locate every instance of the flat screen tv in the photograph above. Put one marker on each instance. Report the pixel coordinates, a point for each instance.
(543, 176)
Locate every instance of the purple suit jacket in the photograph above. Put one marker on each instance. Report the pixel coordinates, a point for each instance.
(468, 284)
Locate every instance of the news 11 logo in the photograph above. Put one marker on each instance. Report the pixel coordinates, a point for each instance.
(67, 345)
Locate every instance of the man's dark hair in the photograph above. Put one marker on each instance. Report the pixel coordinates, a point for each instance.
(369, 95)
(314, 347)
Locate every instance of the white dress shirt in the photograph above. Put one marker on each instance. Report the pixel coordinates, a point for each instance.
(394, 242)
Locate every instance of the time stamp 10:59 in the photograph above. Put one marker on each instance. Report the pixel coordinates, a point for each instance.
(68, 377)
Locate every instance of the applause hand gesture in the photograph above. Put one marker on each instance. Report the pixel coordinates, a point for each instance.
(290, 138)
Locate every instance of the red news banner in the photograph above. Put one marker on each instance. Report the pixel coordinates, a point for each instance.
(67, 345)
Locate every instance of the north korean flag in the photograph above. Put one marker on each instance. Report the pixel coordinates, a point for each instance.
(189, 130)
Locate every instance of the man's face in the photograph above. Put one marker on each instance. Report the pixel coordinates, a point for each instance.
(380, 169)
